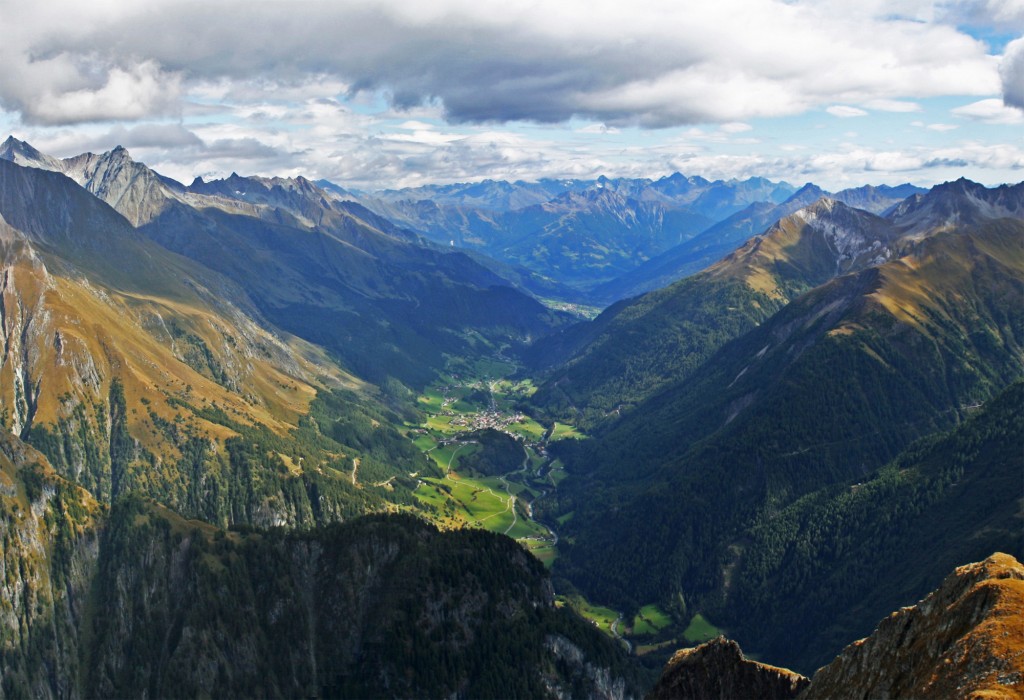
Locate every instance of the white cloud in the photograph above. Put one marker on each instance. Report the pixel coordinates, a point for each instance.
(883, 105)
(845, 111)
(735, 127)
(991, 111)
(651, 62)
(942, 127)
(1011, 72)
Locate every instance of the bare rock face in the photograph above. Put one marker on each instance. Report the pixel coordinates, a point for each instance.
(718, 669)
(964, 640)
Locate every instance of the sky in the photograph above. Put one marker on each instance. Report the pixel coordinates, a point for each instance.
(399, 93)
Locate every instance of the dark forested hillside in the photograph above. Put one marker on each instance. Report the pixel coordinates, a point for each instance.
(840, 557)
(827, 391)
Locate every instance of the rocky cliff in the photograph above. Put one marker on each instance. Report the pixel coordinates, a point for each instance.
(718, 669)
(136, 601)
(964, 640)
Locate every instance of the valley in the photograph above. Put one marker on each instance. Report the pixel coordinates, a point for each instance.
(258, 390)
(494, 458)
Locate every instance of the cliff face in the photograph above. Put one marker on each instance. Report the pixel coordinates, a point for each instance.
(135, 601)
(964, 640)
(718, 669)
(49, 542)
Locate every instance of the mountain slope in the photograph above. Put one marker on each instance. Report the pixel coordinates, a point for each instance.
(386, 305)
(965, 640)
(707, 247)
(134, 369)
(876, 200)
(637, 347)
(827, 391)
(134, 600)
(578, 232)
(840, 558)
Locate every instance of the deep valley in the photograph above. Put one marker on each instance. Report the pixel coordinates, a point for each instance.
(267, 437)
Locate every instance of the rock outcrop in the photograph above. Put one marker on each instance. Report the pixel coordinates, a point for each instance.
(718, 669)
(964, 640)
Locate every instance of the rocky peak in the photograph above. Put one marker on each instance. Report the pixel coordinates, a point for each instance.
(964, 640)
(961, 202)
(22, 153)
(718, 669)
(808, 193)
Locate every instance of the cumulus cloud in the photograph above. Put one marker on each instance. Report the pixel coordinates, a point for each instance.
(653, 62)
(1003, 15)
(1011, 72)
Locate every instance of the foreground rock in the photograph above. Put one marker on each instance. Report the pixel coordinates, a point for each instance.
(964, 640)
(718, 669)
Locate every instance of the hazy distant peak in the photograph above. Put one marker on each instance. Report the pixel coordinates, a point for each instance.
(23, 153)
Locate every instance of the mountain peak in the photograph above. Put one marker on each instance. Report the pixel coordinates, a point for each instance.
(964, 638)
(959, 202)
(23, 153)
(718, 669)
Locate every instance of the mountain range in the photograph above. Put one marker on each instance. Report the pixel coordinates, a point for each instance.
(230, 406)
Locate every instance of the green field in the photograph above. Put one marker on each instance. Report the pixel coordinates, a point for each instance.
(542, 550)
(556, 475)
(700, 630)
(447, 456)
(475, 503)
(528, 428)
(430, 401)
(464, 498)
(425, 442)
(601, 617)
(561, 431)
(650, 620)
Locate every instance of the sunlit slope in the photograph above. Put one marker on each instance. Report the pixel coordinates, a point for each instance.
(134, 369)
(329, 271)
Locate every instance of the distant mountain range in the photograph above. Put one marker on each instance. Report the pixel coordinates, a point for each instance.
(609, 238)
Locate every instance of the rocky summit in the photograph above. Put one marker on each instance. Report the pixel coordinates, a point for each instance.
(964, 640)
(718, 669)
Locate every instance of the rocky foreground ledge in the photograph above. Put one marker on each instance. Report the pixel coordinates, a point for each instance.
(965, 640)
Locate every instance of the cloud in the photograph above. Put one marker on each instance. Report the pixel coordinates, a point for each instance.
(1011, 72)
(845, 111)
(655, 63)
(883, 105)
(991, 111)
(1002, 15)
(735, 127)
